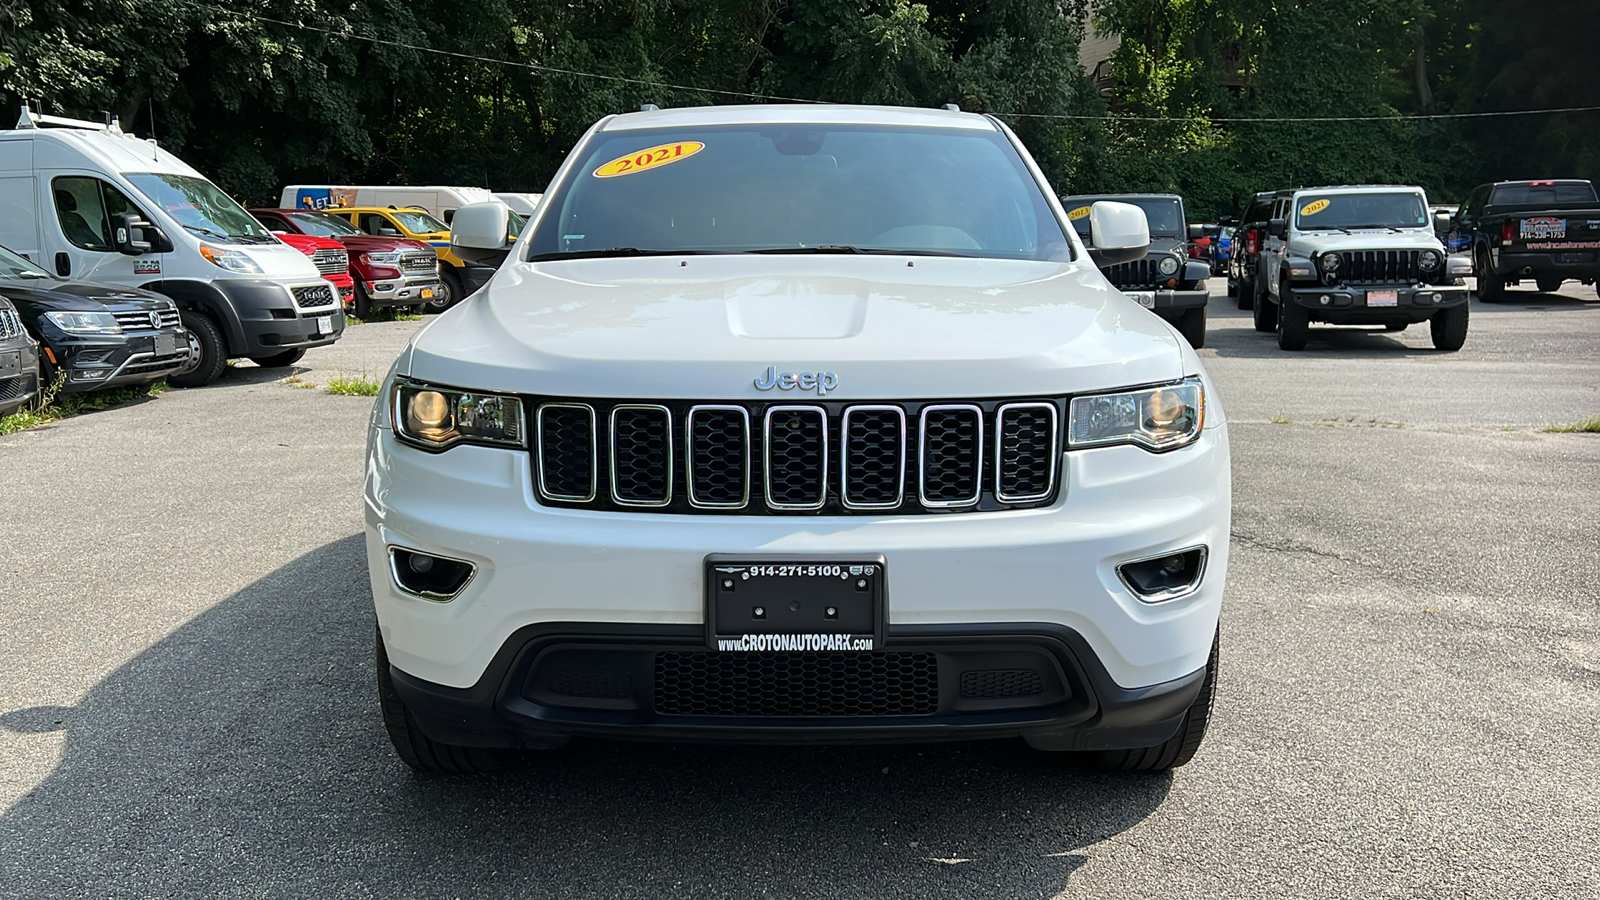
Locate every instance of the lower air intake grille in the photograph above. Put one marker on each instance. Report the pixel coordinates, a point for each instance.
(703, 683)
(603, 684)
(1000, 684)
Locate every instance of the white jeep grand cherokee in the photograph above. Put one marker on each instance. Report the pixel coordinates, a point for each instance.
(798, 424)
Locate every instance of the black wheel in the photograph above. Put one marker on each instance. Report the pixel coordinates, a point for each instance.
(1181, 747)
(213, 351)
(1263, 311)
(1491, 287)
(1247, 294)
(362, 308)
(1294, 324)
(1192, 325)
(419, 751)
(279, 360)
(448, 293)
(1449, 328)
(1548, 285)
(1233, 291)
(1395, 326)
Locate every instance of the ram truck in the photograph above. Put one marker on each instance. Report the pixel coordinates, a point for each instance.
(797, 424)
(385, 271)
(1546, 232)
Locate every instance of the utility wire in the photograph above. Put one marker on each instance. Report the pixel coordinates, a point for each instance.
(554, 70)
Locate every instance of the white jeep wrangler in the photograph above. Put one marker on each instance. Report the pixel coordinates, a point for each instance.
(798, 424)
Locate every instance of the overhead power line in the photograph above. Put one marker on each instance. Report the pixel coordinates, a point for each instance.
(1112, 117)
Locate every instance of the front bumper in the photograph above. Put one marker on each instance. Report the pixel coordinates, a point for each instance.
(271, 322)
(555, 681)
(1053, 566)
(403, 291)
(1343, 305)
(19, 374)
(1163, 299)
(93, 363)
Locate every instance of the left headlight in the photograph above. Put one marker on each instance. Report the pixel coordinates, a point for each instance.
(436, 418)
(232, 260)
(1329, 263)
(1168, 265)
(85, 322)
(1155, 418)
(1428, 261)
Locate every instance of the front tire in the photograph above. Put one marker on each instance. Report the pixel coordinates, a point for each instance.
(279, 360)
(213, 351)
(1263, 311)
(363, 303)
(1181, 747)
(416, 749)
(1192, 325)
(1449, 328)
(1294, 325)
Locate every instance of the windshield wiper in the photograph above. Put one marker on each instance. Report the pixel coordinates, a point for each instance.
(1390, 227)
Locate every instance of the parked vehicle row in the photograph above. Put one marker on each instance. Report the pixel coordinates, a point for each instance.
(385, 270)
(1545, 231)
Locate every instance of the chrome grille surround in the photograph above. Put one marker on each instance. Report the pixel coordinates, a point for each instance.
(796, 414)
(11, 324)
(593, 461)
(630, 416)
(331, 262)
(700, 456)
(414, 261)
(1011, 458)
(938, 413)
(849, 455)
(139, 319)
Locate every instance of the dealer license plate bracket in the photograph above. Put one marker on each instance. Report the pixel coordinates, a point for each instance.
(773, 601)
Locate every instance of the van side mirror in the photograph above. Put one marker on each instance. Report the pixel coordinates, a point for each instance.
(129, 234)
(1120, 231)
(1277, 227)
(478, 232)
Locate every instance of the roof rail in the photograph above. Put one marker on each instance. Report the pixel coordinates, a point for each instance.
(31, 119)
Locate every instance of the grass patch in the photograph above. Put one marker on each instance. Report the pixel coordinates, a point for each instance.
(353, 386)
(1588, 426)
(385, 314)
(53, 406)
(1281, 420)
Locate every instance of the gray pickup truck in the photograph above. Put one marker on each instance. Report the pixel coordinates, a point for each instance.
(1358, 255)
(1166, 281)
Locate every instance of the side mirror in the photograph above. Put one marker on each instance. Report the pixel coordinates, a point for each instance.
(386, 231)
(1121, 233)
(1196, 231)
(478, 232)
(1228, 222)
(1278, 227)
(129, 234)
(1441, 221)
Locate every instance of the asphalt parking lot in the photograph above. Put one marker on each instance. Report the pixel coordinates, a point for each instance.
(1409, 703)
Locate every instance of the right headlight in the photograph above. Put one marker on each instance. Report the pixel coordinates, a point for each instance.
(1155, 418)
(437, 418)
(1168, 265)
(85, 322)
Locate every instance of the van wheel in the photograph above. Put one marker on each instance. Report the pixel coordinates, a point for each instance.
(1264, 311)
(1294, 325)
(279, 360)
(1181, 747)
(1449, 327)
(1192, 325)
(213, 351)
(419, 751)
(1491, 287)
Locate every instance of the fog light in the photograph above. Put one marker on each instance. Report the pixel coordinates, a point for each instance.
(1166, 577)
(1326, 299)
(427, 576)
(90, 374)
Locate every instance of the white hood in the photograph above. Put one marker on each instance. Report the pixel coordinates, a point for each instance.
(707, 327)
(1314, 242)
(279, 262)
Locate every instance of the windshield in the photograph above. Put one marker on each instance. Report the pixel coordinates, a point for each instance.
(418, 222)
(1163, 213)
(801, 188)
(322, 224)
(14, 266)
(202, 208)
(1385, 209)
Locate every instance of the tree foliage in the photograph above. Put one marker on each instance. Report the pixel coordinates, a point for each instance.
(259, 93)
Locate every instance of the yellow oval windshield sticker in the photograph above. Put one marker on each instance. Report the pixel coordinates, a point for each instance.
(1078, 213)
(649, 158)
(1314, 207)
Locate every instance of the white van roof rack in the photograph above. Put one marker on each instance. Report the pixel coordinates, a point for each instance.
(31, 119)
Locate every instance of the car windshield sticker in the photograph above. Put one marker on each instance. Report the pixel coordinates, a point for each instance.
(1314, 207)
(1078, 213)
(649, 158)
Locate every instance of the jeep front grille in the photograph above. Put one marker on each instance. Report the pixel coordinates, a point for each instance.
(10, 324)
(1139, 273)
(1379, 266)
(828, 457)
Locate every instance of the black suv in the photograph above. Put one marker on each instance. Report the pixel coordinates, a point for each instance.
(96, 335)
(1250, 228)
(1166, 281)
(19, 361)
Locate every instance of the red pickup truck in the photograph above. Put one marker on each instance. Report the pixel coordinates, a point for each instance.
(387, 271)
(329, 256)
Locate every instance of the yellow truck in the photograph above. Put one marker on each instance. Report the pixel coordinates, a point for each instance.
(457, 276)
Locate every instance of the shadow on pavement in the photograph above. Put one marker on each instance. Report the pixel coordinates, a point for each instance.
(243, 755)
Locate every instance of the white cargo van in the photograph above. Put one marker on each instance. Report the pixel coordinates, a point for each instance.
(521, 204)
(440, 200)
(91, 203)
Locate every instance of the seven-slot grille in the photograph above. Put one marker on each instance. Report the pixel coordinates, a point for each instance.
(331, 262)
(830, 457)
(147, 319)
(10, 324)
(415, 261)
(313, 297)
(1131, 274)
(1380, 266)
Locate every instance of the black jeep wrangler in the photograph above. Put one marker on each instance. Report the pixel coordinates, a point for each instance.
(1166, 281)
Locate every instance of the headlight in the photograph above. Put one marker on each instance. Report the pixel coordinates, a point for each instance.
(1158, 418)
(384, 258)
(1329, 264)
(1428, 261)
(232, 260)
(85, 322)
(436, 418)
(1167, 265)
